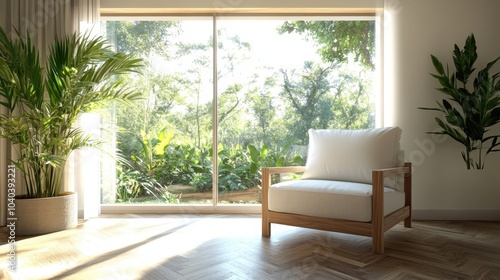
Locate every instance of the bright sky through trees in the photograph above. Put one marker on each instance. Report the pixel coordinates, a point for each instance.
(268, 47)
(287, 51)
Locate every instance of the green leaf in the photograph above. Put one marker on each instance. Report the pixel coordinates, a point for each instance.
(447, 104)
(165, 139)
(264, 151)
(429, 109)
(437, 65)
(279, 162)
(254, 153)
(465, 59)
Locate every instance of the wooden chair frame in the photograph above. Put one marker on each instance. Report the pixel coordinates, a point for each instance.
(375, 228)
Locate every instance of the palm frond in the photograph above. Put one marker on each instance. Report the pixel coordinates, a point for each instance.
(81, 73)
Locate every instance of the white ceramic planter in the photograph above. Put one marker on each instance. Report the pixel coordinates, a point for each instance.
(44, 215)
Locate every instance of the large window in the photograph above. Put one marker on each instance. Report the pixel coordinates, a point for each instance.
(246, 105)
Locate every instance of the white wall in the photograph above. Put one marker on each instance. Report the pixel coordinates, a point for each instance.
(443, 188)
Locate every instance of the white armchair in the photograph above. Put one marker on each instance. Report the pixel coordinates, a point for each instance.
(354, 181)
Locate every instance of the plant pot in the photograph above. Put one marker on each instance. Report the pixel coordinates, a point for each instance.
(43, 215)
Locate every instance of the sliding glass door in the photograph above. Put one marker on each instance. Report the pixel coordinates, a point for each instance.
(246, 104)
(164, 141)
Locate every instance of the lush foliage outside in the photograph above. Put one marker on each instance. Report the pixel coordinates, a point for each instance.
(264, 107)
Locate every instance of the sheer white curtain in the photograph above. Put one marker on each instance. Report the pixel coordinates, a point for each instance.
(46, 19)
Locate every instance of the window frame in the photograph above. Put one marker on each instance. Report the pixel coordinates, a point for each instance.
(289, 13)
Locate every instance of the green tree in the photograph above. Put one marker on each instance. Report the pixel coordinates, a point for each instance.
(352, 107)
(306, 93)
(161, 93)
(337, 40)
(326, 97)
(348, 103)
(156, 42)
(262, 106)
(232, 87)
(198, 93)
(234, 84)
(147, 38)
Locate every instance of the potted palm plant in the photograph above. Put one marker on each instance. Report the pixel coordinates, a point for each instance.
(470, 111)
(42, 101)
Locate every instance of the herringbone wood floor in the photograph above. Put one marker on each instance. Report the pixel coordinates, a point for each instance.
(231, 247)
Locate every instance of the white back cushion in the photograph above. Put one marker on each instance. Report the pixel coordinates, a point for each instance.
(351, 155)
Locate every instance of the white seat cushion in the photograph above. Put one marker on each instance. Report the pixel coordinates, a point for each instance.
(330, 199)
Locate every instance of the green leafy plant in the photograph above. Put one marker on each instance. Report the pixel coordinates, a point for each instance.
(241, 169)
(44, 99)
(133, 183)
(155, 163)
(128, 186)
(144, 168)
(235, 171)
(184, 164)
(286, 155)
(469, 112)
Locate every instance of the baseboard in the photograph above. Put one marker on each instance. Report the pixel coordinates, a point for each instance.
(180, 209)
(469, 215)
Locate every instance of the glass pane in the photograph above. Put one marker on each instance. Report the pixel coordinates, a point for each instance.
(278, 78)
(165, 140)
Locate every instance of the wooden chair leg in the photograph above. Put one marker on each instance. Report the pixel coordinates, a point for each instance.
(378, 212)
(266, 183)
(408, 222)
(266, 228)
(407, 188)
(378, 243)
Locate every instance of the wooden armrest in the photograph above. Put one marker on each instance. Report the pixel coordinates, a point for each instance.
(268, 171)
(284, 169)
(394, 170)
(378, 176)
(378, 191)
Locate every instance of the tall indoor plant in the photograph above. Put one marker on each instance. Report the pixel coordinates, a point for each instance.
(43, 99)
(470, 111)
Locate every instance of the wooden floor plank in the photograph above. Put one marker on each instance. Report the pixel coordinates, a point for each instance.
(231, 247)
